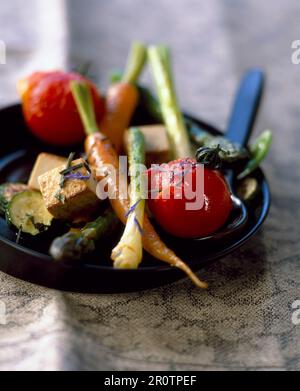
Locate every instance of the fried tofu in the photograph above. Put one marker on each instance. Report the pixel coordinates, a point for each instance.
(44, 163)
(157, 144)
(77, 196)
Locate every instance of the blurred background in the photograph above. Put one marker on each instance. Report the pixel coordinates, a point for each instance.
(213, 43)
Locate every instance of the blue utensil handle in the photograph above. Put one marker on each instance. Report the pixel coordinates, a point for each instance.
(246, 107)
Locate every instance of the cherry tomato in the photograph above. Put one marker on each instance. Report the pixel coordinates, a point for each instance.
(49, 108)
(171, 211)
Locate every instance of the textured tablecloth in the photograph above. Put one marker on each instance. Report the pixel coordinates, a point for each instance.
(245, 320)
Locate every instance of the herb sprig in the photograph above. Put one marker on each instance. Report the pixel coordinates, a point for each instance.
(69, 173)
(59, 196)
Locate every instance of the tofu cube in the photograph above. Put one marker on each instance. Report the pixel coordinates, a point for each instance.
(44, 163)
(76, 197)
(156, 144)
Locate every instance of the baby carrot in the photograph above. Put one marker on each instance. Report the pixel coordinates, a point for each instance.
(122, 98)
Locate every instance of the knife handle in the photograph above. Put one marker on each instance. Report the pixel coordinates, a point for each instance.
(246, 107)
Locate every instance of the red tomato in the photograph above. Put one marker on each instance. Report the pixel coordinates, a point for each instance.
(172, 213)
(50, 110)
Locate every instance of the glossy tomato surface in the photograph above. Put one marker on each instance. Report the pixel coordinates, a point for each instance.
(50, 110)
(209, 201)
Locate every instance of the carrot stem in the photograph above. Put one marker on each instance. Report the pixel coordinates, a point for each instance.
(135, 63)
(85, 106)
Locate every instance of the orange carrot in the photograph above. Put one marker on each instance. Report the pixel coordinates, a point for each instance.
(121, 102)
(122, 98)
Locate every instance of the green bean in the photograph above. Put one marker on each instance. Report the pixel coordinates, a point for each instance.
(258, 151)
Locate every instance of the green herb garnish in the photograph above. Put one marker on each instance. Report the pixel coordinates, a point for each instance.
(87, 166)
(68, 170)
(59, 196)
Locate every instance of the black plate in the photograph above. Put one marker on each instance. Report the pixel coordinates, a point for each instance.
(29, 260)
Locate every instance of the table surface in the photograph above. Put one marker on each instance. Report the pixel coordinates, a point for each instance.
(244, 321)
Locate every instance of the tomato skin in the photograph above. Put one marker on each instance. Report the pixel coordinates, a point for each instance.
(50, 110)
(172, 216)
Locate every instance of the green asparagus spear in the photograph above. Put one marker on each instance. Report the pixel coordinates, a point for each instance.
(129, 252)
(161, 69)
(75, 244)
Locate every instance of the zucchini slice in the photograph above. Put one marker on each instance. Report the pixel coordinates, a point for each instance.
(28, 213)
(7, 191)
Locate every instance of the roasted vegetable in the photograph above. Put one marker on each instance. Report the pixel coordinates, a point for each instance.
(247, 189)
(258, 152)
(157, 144)
(228, 152)
(128, 253)
(159, 58)
(49, 107)
(70, 190)
(193, 209)
(222, 153)
(75, 244)
(27, 212)
(122, 98)
(210, 157)
(147, 100)
(7, 191)
(101, 153)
